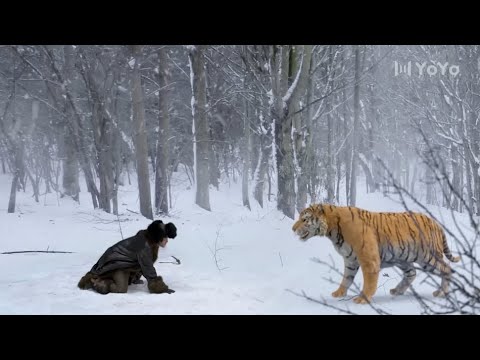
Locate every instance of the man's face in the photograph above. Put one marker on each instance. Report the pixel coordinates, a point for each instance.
(164, 242)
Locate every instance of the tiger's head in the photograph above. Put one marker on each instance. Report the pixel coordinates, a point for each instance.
(311, 222)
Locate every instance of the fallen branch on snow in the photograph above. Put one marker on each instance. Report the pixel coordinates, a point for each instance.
(176, 262)
(37, 251)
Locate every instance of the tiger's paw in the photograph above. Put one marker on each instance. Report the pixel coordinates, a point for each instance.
(439, 293)
(396, 292)
(360, 300)
(341, 292)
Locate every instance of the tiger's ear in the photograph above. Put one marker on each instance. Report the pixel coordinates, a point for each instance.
(318, 208)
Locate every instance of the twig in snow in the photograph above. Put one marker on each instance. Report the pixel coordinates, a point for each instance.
(38, 251)
(120, 226)
(176, 262)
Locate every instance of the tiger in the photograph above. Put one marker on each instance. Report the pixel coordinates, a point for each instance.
(375, 240)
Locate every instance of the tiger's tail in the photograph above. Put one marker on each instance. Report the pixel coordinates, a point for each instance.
(448, 253)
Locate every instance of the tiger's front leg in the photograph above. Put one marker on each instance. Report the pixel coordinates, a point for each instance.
(349, 272)
(370, 270)
(369, 259)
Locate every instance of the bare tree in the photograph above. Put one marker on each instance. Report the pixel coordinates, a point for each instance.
(464, 294)
(200, 125)
(71, 186)
(356, 114)
(161, 171)
(140, 137)
(246, 155)
(285, 96)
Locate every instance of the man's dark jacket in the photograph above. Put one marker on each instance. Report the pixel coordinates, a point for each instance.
(133, 252)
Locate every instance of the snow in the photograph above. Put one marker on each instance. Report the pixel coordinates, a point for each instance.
(128, 140)
(270, 97)
(233, 261)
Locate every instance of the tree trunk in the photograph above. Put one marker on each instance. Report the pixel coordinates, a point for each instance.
(161, 173)
(414, 179)
(355, 135)
(373, 128)
(430, 186)
(212, 159)
(103, 142)
(200, 126)
(285, 97)
(283, 130)
(117, 169)
(457, 173)
(265, 128)
(255, 146)
(368, 173)
(78, 138)
(475, 136)
(301, 137)
(13, 194)
(310, 159)
(303, 170)
(348, 146)
(102, 132)
(461, 185)
(140, 138)
(71, 186)
(246, 155)
(16, 174)
(17, 150)
(330, 170)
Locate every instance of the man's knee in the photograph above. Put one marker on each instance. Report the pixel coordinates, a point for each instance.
(120, 281)
(102, 286)
(119, 289)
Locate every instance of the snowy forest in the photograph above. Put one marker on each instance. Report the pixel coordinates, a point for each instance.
(305, 117)
(290, 124)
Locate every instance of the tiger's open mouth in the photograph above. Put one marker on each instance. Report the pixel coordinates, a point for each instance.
(304, 235)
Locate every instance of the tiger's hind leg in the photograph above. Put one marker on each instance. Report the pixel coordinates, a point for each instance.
(409, 274)
(446, 274)
(438, 266)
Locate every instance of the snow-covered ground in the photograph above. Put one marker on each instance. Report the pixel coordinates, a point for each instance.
(233, 261)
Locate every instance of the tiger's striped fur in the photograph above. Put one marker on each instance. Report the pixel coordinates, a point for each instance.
(375, 240)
